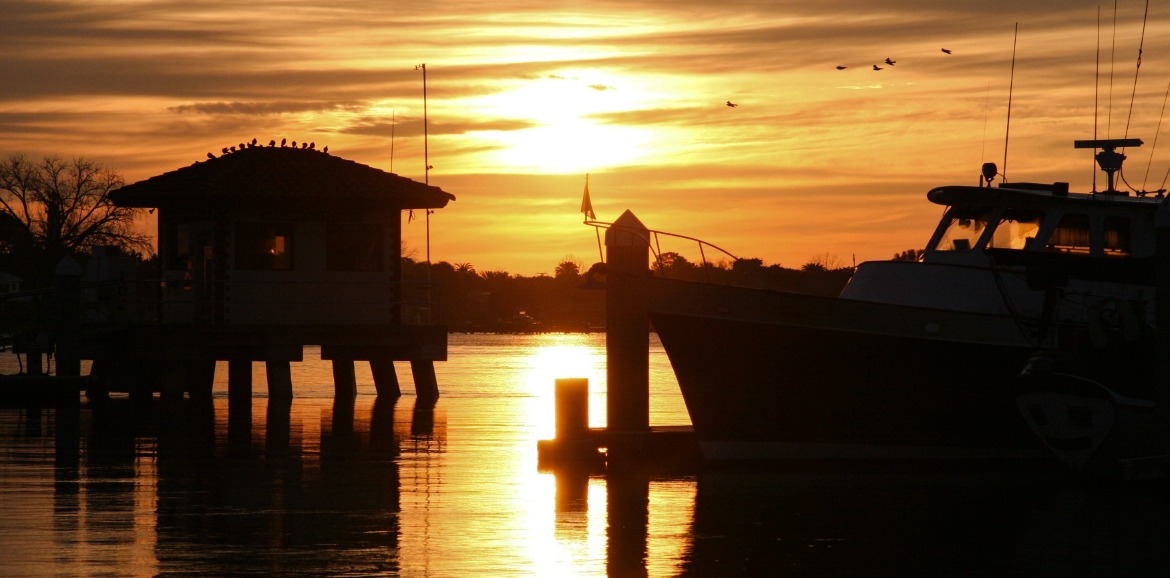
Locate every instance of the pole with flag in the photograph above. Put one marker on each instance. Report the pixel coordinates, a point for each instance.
(586, 204)
(587, 209)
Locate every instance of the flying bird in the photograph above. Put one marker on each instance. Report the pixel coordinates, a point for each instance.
(890, 62)
(876, 67)
(842, 67)
(946, 51)
(732, 104)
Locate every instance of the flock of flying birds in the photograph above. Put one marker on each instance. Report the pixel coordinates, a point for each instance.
(272, 143)
(887, 62)
(890, 62)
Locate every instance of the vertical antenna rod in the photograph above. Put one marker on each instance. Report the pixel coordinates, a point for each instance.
(426, 159)
(1011, 86)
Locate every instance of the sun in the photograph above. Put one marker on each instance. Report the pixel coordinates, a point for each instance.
(567, 130)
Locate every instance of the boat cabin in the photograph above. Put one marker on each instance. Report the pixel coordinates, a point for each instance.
(1034, 219)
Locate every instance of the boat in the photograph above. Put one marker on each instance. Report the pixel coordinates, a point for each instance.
(934, 360)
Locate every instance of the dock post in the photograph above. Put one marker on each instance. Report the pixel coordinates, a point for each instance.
(68, 296)
(344, 379)
(627, 326)
(385, 378)
(572, 408)
(279, 379)
(239, 379)
(426, 385)
(201, 378)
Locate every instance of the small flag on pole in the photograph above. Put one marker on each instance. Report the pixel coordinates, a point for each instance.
(586, 204)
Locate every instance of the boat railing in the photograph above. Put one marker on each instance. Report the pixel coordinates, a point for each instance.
(653, 240)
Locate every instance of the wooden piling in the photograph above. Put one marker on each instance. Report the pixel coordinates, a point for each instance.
(426, 385)
(279, 379)
(239, 379)
(627, 326)
(67, 292)
(572, 408)
(344, 379)
(385, 378)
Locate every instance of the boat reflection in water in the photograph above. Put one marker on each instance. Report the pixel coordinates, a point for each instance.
(314, 487)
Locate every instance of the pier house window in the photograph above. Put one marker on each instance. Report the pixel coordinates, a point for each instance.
(963, 227)
(1071, 235)
(354, 247)
(1117, 237)
(1015, 228)
(264, 246)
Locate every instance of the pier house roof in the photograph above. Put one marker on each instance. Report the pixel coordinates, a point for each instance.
(258, 176)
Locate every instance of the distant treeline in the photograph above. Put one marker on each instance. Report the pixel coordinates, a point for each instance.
(568, 301)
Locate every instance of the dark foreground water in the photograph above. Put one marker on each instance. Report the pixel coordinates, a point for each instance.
(375, 488)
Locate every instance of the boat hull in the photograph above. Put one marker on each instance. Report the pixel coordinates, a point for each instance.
(780, 376)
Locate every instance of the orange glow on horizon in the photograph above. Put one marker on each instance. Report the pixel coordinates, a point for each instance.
(524, 100)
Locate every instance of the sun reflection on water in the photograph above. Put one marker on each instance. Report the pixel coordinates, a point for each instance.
(564, 356)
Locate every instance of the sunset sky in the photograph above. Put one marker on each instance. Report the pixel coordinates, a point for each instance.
(526, 98)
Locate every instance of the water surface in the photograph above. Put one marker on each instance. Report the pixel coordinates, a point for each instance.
(375, 487)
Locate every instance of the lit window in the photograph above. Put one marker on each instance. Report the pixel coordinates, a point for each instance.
(264, 246)
(1071, 235)
(1116, 237)
(1015, 228)
(962, 230)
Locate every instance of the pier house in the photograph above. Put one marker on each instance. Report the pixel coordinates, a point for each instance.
(264, 250)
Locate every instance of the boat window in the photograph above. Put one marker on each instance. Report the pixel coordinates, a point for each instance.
(1071, 235)
(963, 228)
(1117, 236)
(1015, 228)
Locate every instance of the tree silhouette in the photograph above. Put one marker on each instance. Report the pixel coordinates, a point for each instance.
(54, 208)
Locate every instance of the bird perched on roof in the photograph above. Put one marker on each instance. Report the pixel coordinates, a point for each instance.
(842, 67)
(946, 51)
(210, 156)
(890, 62)
(294, 144)
(731, 104)
(304, 145)
(876, 67)
(253, 142)
(282, 141)
(313, 144)
(272, 143)
(326, 149)
(224, 150)
(233, 149)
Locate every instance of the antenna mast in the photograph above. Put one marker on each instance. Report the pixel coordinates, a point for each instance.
(1011, 86)
(426, 159)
